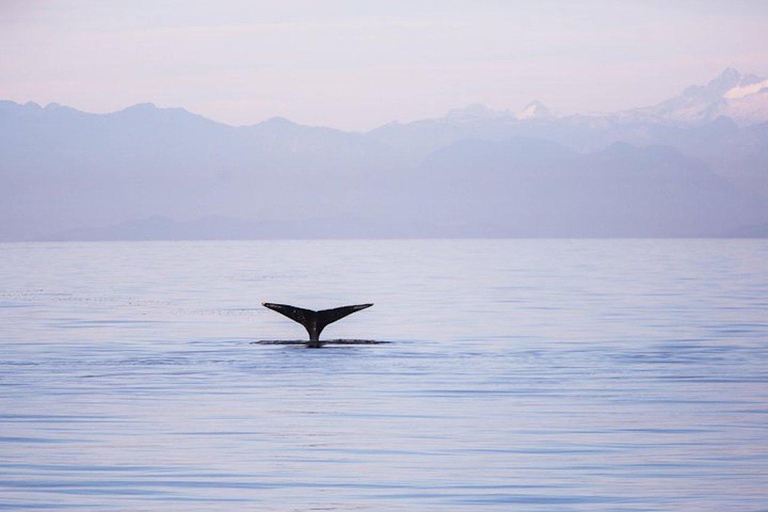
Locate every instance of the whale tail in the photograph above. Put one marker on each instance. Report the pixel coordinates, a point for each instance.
(314, 321)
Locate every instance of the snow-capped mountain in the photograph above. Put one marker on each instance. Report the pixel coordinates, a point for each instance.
(477, 112)
(744, 98)
(534, 110)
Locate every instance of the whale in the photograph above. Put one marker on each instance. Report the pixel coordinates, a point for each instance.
(314, 321)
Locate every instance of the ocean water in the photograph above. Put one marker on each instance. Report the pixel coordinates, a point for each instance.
(521, 375)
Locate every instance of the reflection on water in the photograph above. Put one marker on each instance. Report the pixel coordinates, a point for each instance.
(522, 375)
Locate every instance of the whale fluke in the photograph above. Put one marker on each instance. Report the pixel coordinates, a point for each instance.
(314, 321)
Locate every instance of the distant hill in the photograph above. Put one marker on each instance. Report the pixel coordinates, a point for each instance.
(228, 228)
(695, 165)
(531, 187)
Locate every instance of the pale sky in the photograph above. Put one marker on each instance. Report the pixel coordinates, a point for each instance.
(356, 65)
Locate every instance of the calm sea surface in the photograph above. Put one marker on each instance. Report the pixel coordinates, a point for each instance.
(522, 375)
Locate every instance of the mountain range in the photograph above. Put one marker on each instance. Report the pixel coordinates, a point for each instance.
(694, 165)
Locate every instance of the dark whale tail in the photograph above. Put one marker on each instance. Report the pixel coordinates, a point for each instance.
(314, 321)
